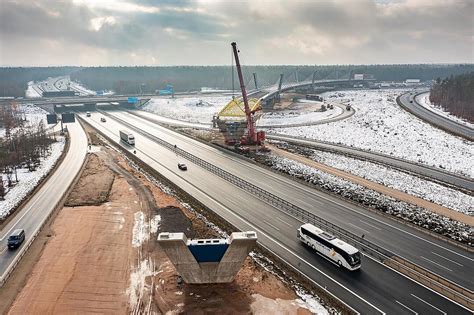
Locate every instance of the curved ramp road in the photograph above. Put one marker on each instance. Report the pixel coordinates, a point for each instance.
(375, 289)
(38, 208)
(408, 101)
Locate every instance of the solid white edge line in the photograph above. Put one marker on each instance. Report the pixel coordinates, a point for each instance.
(282, 246)
(403, 275)
(377, 220)
(345, 207)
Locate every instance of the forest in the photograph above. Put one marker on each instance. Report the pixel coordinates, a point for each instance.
(137, 80)
(455, 94)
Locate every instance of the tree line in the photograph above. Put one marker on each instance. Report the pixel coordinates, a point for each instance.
(455, 94)
(23, 146)
(137, 80)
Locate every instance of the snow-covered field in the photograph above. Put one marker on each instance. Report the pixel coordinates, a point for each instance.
(424, 100)
(380, 125)
(410, 184)
(28, 180)
(188, 109)
(371, 198)
(32, 91)
(83, 91)
(33, 115)
(302, 113)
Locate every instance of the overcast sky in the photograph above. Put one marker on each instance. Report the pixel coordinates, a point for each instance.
(166, 32)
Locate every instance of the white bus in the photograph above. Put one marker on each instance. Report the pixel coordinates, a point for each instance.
(332, 248)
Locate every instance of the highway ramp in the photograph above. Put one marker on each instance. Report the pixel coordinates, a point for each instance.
(408, 101)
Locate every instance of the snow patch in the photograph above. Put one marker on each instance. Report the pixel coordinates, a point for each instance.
(138, 285)
(140, 229)
(298, 115)
(29, 180)
(188, 108)
(155, 224)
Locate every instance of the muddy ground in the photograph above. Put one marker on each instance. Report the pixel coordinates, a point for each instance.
(102, 255)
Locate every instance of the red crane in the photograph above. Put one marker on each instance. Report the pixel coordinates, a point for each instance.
(251, 137)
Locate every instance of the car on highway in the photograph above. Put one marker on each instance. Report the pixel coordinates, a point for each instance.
(16, 238)
(88, 114)
(102, 119)
(182, 166)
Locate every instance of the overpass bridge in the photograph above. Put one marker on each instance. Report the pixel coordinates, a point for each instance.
(231, 119)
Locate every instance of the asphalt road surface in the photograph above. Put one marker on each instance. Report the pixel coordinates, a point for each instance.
(38, 208)
(373, 289)
(409, 102)
(451, 179)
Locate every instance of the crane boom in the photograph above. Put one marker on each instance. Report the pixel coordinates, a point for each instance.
(252, 137)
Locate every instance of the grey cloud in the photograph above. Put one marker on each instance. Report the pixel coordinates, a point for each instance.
(188, 32)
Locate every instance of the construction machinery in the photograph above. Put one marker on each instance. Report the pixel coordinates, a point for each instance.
(250, 137)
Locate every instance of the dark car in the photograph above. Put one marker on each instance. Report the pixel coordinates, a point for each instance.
(16, 238)
(182, 166)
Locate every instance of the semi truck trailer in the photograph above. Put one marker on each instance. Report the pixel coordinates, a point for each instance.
(127, 136)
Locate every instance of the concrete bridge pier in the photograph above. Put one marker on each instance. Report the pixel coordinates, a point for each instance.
(207, 260)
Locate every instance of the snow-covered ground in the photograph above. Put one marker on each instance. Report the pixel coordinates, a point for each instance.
(417, 215)
(83, 91)
(410, 184)
(305, 112)
(32, 91)
(62, 83)
(424, 100)
(380, 125)
(188, 109)
(28, 180)
(33, 115)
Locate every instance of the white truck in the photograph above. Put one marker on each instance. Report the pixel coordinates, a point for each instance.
(127, 136)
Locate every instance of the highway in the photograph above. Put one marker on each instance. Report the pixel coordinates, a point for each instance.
(37, 209)
(439, 175)
(408, 101)
(372, 290)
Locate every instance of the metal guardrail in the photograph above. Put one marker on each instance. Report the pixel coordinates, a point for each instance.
(375, 251)
(338, 148)
(24, 248)
(442, 123)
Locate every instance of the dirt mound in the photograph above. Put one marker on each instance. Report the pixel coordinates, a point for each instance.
(94, 186)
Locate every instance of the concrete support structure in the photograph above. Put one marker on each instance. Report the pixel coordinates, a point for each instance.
(279, 88)
(207, 260)
(312, 81)
(255, 80)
